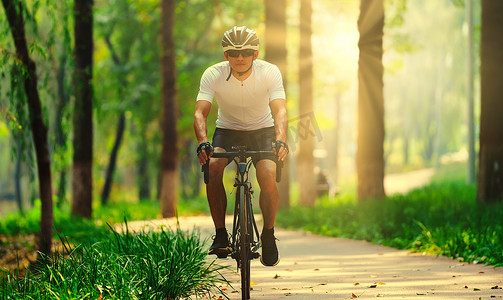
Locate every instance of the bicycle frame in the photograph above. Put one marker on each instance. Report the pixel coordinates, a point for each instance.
(244, 229)
(243, 186)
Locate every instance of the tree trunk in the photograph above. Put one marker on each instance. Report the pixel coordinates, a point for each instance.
(17, 178)
(121, 126)
(406, 150)
(337, 137)
(169, 155)
(82, 181)
(144, 183)
(490, 178)
(189, 170)
(369, 155)
(470, 178)
(61, 137)
(439, 91)
(276, 53)
(38, 128)
(143, 173)
(305, 158)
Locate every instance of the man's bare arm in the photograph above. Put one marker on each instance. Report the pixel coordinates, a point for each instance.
(200, 128)
(279, 113)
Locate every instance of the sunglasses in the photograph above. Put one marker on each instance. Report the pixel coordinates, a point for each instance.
(244, 53)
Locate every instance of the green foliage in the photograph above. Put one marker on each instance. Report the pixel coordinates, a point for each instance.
(395, 10)
(441, 218)
(163, 264)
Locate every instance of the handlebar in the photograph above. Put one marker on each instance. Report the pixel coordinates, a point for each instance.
(241, 153)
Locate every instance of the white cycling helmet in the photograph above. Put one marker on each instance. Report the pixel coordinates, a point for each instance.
(240, 38)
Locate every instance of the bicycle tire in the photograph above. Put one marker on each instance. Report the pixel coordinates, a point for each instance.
(249, 214)
(244, 221)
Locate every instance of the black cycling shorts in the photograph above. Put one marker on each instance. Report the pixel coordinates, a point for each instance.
(254, 140)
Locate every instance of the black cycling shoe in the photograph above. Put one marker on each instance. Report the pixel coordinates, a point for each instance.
(220, 246)
(270, 255)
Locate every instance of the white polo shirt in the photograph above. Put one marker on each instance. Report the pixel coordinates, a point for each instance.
(242, 105)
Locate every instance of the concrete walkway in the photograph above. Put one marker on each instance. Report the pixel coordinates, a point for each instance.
(403, 182)
(314, 267)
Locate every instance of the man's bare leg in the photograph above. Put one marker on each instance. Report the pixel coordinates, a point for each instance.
(269, 195)
(269, 200)
(215, 191)
(218, 205)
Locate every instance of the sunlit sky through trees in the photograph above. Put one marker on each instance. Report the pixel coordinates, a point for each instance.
(425, 78)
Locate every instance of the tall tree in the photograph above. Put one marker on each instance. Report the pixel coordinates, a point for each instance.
(275, 41)
(169, 154)
(107, 187)
(490, 178)
(305, 158)
(369, 155)
(14, 12)
(121, 125)
(62, 61)
(17, 176)
(82, 181)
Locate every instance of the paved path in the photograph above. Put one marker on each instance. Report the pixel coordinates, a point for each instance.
(403, 182)
(314, 267)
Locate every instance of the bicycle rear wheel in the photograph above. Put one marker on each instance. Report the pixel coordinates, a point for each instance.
(244, 243)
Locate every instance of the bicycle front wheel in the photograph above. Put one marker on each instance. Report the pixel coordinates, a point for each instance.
(244, 242)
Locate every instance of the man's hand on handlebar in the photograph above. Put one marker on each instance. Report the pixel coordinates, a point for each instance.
(280, 148)
(204, 152)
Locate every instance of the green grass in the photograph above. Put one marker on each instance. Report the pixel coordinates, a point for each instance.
(78, 229)
(442, 218)
(113, 213)
(146, 265)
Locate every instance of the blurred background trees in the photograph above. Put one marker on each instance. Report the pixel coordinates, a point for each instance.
(424, 91)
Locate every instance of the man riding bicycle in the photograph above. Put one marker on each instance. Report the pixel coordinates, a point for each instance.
(251, 112)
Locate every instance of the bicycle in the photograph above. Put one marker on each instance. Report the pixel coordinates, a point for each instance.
(245, 240)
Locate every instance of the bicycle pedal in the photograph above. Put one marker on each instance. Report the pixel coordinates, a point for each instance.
(222, 255)
(255, 255)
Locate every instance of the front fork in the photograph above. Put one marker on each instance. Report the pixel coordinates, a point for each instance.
(255, 243)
